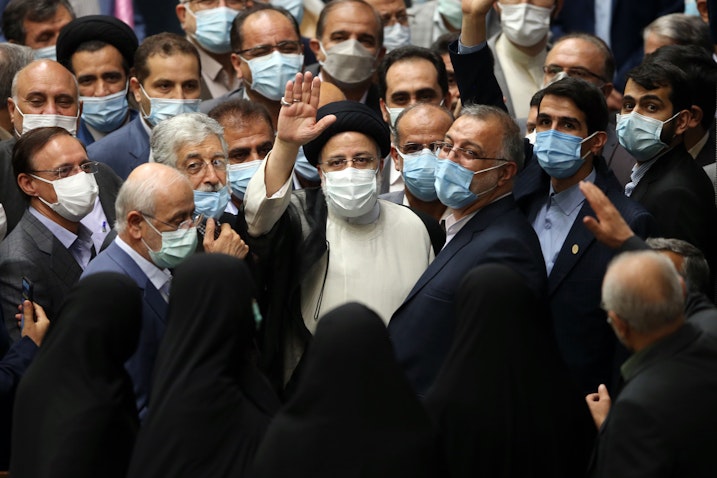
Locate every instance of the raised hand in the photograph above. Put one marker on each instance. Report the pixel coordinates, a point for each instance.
(297, 123)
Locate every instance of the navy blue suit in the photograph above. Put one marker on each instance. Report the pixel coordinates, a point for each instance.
(586, 342)
(154, 319)
(422, 328)
(124, 149)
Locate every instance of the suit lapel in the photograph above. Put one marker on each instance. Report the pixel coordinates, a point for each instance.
(576, 244)
(62, 264)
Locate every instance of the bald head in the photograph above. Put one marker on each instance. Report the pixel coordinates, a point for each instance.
(644, 290)
(428, 118)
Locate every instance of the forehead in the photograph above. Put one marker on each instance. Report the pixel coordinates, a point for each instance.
(348, 143)
(267, 26)
(423, 122)
(484, 133)
(177, 67)
(208, 148)
(59, 19)
(409, 71)
(248, 132)
(560, 106)
(105, 56)
(46, 77)
(576, 52)
(388, 6)
(636, 92)
(351, 17)
(61, 149)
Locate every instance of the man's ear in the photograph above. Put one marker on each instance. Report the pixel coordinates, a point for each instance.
(696, 114)
(607, 89)
(134, 87)
(26, 184)
(397, 159)
(384, 111)
(134, 220)
(181, 11)
(682, 121)
(598, 142)
(510, 170)
(316, 48)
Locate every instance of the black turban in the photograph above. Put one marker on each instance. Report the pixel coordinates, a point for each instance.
(102, 28)
(350, 116)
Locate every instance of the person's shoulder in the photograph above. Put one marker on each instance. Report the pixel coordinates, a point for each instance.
(117, 137)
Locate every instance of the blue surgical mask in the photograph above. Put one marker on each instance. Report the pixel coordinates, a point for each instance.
(176, 246)
(238, 176)
(105, 113)
(304, 168)
(453, 183)
(46, 53)
(295, 7)
(213, 26)
(270, 73)
(419, 174)
(559, 153)
(452, 12)
(164, 108)
(211, 204)
(396, 36)
(641, 135)
(393, 114)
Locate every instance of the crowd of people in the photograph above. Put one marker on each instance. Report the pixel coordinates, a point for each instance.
(359, 238)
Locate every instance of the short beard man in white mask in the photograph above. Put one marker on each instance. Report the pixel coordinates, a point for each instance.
(340, 243)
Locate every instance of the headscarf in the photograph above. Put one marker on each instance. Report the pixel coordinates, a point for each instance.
(503, 402)
(353, 413)
(209, 406)
(75, 413)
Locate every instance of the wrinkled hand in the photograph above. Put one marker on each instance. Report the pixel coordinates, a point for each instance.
(599, 405)
(609, 227)
(297, 123)
(228, 242)
(36, 321)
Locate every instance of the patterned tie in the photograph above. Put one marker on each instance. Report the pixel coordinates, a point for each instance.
(124, 11)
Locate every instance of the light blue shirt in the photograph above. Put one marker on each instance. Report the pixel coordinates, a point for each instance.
(556, 217)
(638, 172)
(161, 279)
(80, 245)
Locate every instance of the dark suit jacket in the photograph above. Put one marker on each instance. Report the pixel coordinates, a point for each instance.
(422, 328)
(124, 149)
(586, 342)
(707, 153)
(32, 251)
(680, 196)
(15, 202)
(154, 319)
(663, 422)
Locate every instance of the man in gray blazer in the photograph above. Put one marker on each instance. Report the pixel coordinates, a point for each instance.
(50, 246)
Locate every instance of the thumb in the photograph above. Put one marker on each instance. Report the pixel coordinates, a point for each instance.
(209, 228)
(602, 392)
(324, 123)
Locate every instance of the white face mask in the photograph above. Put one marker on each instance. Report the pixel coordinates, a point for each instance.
(46, 53)
(33, 121)
(525, 24)
(76, 195)
(348, 62)
(396, 36)
(350, 192)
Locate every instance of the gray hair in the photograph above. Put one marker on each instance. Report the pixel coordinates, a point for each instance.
(139, 194)
(681, 29)
(643, 288)
(14, 86)
(13, 58)
(695, 269)
(186, 128)
(435, 109)
(512, 145)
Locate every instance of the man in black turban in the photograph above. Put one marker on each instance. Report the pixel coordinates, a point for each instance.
(332, 245)
(99, 51)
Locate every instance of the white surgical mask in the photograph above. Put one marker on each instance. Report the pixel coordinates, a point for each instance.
(350, 192)
(76, 195)
(525, 24)
(46, 53)
(33, 121)
(396, 36)
(348, 62)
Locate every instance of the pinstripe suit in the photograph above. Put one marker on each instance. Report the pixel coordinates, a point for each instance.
(32, 251)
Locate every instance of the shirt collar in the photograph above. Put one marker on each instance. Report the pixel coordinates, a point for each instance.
(571, 198)
(158, 277)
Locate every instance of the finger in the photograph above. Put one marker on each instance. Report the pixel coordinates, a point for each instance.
(315, 92)
(40, 315)
(592, 225)
(289, 91)
(298, 86)
(209, 227)
(324, 123)
(306, 88)
(602, 392)
(28, 311)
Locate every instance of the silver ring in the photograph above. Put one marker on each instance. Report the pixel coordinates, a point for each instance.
(297, 101)
(284, 102)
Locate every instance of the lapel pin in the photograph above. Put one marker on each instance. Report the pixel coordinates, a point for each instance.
(575, 249)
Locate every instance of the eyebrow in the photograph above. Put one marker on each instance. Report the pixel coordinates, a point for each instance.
(651, 97)
(560, 118)
(478, 147)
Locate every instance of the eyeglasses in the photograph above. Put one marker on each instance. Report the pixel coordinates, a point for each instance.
(359, 162)
(234, 4)
(461, 153)
(240, 155)
(573, 72)
(196, 166)
(182, 226)
(413, 148)
(287, 47)
(90, 167)
(399, 17)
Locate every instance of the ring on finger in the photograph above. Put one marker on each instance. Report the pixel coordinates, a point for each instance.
(285, 103)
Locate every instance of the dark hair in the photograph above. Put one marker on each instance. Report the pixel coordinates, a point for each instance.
(609, 60)
(13, 58)
(30, 144)
(17, 11)
(537, 98)
(655, 73)
(440, 46)
(407, 53)
(235, 34)
(695, 269)
(96, 45)
(701, 72)
(321, 22)
(240, 111)
(164, 44)
(587, 98)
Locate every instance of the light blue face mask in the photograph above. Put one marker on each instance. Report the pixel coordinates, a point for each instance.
(396, 36)
(303, 168)
(164, 108)
(213, 26)
(270, 73)
(419, 174)
(451, 10)
(105, 113)
(453, 183)
(558, 153)
(295, 7)
(46, 53)
(641, 135)
(211, 204)
(176, 246)
(239, 175)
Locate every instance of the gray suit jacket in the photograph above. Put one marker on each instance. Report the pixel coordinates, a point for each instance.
(32, 251)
